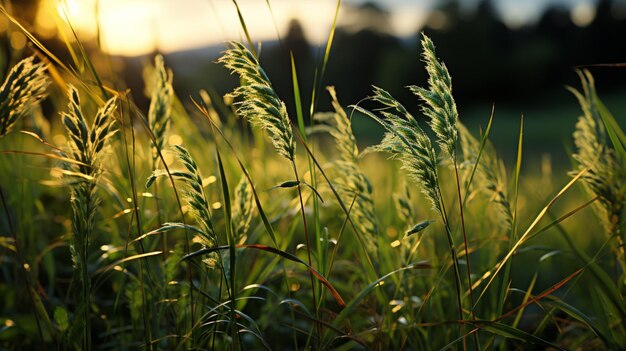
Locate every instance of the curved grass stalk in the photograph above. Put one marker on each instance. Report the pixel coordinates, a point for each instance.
(440, 107)
(159, 113)
(405, 140)
(199, 207)
(86, 145)
(351, 182)
(606, 162)
(527, 234)
(260, 104)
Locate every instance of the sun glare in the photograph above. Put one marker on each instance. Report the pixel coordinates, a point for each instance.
(135, 27)
(69, 8)
(79, 13)
(129, 28)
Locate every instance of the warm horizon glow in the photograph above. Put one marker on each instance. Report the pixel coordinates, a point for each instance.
(136, 27)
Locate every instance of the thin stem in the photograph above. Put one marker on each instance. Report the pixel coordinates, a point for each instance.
(615, 231)
(164, 249)
(341, 231)
(374, 273)
(21, 263)
(182, 216)
(308, 246)
(159, 214)
(455, 261)
(467, 259)
(82, 237)
(219, 298)
(146, 311)
(216, 130)
(230, 291)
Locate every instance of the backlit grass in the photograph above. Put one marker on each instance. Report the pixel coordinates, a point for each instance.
(228, 225)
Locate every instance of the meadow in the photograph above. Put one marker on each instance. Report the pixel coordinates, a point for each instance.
(232, 225)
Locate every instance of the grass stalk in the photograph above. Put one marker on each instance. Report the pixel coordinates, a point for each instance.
(504, 284)
(308, 249)
(130, 167)
(85, 146)
(455, 260)
(25, 275)
(217, 131)
(145, 124)
(231, 292)
(230, 236)
(467, 259)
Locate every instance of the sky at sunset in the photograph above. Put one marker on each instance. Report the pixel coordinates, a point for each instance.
(133, 27)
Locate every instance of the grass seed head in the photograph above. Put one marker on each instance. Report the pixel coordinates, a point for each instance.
(606, 175)
(406, 141)
(24, 87)
(490, 176)
(351, 182)
(242, 209)
(439, 105)
(193, 193)
(86, 143)
(258, 102)
(159, 114)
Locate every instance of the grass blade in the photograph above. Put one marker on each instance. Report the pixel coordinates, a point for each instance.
(545, 293)
(580, 316)
(351, 306)
(616, 134)
(513, 333)
(231, 247)
(242, 22)
(524, 237)
(317, 81)
(296, 97)
(127, 259)
(281, 253)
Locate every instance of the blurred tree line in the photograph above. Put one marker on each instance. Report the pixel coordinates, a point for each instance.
(489, 62)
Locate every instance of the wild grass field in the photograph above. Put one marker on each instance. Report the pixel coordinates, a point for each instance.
(232, 225)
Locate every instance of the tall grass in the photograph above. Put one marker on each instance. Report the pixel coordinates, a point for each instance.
(606, 177)
(22, 90)
(87, 144)
(262, 252)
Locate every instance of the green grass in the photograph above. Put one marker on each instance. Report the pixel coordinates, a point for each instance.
(226, 227)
